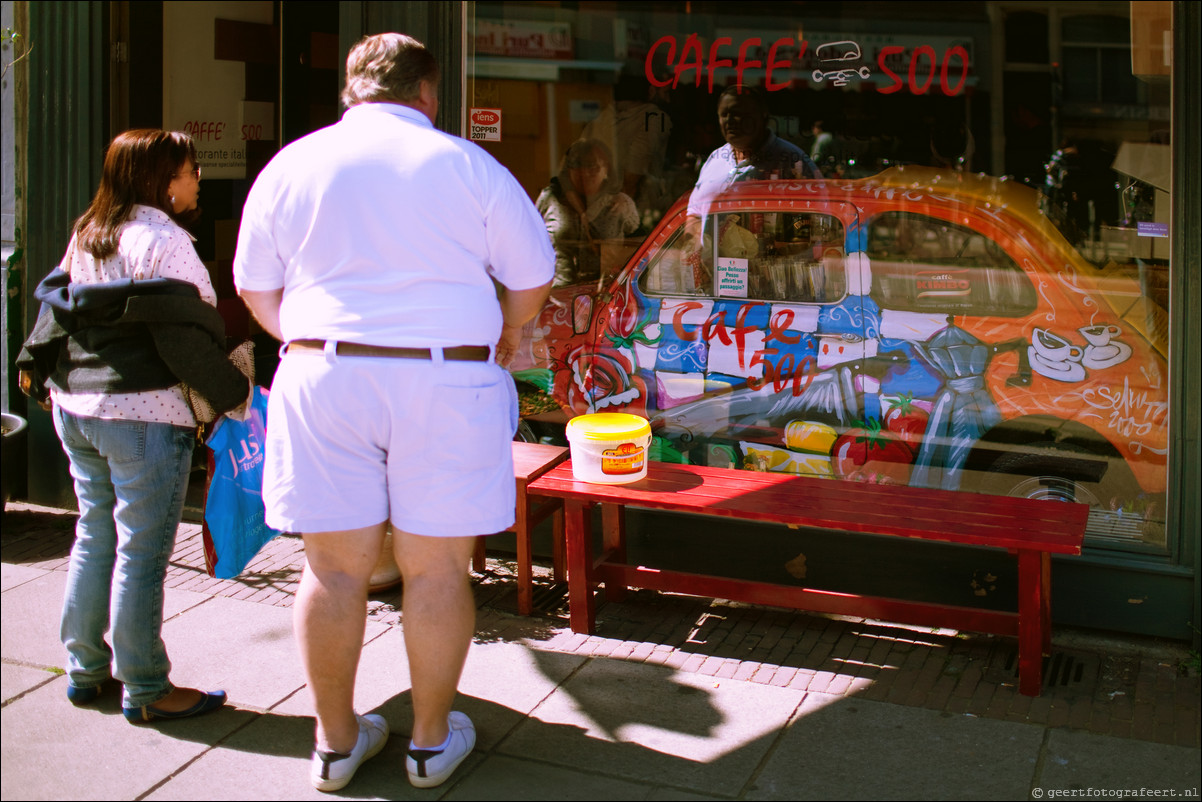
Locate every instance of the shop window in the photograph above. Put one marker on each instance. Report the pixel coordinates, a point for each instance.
(1114, 31)
(1096, 60)
(1071, 347)
(1027, 37)
(923, 264)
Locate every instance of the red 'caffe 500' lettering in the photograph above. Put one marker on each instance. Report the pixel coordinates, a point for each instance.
(923, 68)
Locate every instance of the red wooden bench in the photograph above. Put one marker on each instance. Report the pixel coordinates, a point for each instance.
(1033, 530)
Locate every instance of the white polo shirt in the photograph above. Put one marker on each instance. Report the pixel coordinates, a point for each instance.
(386, 231)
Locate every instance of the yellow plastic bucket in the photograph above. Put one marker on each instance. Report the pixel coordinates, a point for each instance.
(609, 447)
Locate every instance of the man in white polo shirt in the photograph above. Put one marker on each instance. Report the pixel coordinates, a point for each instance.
(398, 264)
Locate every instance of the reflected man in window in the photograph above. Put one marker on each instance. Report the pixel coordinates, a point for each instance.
(752, 150)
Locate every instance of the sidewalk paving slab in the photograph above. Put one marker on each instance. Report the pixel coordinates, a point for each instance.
(506, 777)
(32, 609)
(652, 724)
(886, 751)
(53, 750)
(31, 620)
(13, 575)
(17, 679)
(1075, 759)
(268, 758)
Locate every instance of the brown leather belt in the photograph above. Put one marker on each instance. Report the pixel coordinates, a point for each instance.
(457, 353)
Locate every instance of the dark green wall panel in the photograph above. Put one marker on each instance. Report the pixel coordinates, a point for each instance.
(67, 102)
(1185, 301)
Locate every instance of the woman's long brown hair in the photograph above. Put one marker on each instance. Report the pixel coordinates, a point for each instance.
(138, 168)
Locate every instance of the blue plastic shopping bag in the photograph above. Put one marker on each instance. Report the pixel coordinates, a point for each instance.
(235, 527)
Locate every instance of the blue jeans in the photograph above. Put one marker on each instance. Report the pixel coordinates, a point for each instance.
(130, 481)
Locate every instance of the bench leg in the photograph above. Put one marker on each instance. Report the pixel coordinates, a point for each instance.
(1045, 581)
(1034, 618)
(558, 560)
(582, 612)
(479, 558)
(613, 538)
(521, 528)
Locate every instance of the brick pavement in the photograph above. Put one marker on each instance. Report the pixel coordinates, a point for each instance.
(1113, 685)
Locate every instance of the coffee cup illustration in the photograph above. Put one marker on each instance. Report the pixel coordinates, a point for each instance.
(1051, 347)
(1055, 357)
(1100, 335)
(1103, 350)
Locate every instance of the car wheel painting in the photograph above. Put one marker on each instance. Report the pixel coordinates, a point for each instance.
(1119, 510)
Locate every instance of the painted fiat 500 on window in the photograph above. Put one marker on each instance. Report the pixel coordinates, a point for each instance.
(910, 328)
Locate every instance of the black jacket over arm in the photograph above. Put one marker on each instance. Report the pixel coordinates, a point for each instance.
(129, 336)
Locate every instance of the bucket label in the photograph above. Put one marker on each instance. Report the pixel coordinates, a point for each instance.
(624, 459)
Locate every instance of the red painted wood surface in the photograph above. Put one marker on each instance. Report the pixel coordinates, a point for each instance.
(948, 516)
(531, 460)
(818, 601)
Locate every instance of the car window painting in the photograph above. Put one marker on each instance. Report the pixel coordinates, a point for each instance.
(924, 263)
(772, 256)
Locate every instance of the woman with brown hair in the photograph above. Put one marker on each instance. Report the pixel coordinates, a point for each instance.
(127, 316)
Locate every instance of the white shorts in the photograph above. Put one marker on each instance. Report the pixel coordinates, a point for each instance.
(353, 441)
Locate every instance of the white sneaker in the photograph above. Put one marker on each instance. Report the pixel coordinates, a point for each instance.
(330, 771)
(428, 767)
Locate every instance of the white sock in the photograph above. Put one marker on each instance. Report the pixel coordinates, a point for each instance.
(438, 748)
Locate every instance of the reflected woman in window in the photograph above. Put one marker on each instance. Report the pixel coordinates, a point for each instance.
(582, 209)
